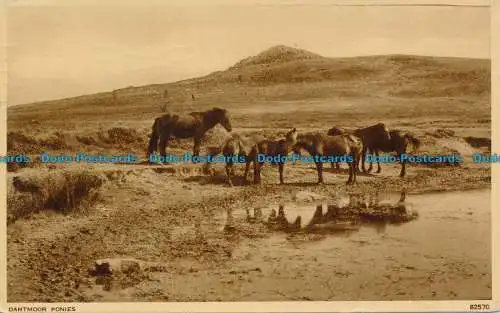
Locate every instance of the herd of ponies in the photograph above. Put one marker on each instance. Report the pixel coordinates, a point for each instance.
(336, 142)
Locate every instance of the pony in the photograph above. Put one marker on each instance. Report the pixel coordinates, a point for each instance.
(317, 144)
(250, 147)
(398, 143)
(239, 145)
(377, 138)
(192, 125)
(271, 148)
(335, 131)
(373, 137)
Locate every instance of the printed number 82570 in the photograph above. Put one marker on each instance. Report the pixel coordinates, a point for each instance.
(479, 307)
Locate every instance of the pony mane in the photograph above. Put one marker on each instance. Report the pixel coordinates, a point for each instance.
(306, 139)
(218, 110)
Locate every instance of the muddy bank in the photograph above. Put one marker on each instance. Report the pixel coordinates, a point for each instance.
(181, 226)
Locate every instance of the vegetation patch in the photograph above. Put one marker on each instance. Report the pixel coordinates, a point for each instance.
(18, 142)
(65, 192)
(478, 142)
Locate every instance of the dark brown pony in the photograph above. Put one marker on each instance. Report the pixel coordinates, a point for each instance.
(192, 125)
(398, 142)
(373, 138)
(317, 144)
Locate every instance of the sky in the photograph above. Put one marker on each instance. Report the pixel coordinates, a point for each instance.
(57, 51)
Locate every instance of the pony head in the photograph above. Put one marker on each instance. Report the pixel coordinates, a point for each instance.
(223, 119)
(291, 137)
(334, 131)
(291, 140)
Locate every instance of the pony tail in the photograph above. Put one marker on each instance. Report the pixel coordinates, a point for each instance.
(153, 140)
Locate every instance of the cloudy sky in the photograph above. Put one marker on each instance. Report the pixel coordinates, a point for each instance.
(57, 51)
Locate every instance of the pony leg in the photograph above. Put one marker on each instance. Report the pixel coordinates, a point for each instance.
(153, 140)
(351, 166)
(153, 143)
(358, 162)
(319, 168)
(370, 167)
(354, 174)
(247, 169)
(207, 168)
(196, 147)
(229, 169)
(354, 168)
(378, 162)
(281, 167)
(261, 165)
(403, 167)
(163, 146)
(363, 158)
(257, 167)
(349, 180)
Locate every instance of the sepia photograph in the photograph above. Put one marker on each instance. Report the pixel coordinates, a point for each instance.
(248, 151)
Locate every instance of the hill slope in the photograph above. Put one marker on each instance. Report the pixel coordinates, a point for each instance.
(285, 74)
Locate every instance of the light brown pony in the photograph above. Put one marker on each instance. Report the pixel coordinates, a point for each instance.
(239, 145)
(272, 148)
(335, 131)
(317, 144)
(250, 147)
(192, 125)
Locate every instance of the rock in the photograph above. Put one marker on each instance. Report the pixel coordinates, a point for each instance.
(26, 184)
(109, 266)
(162, 170)
(307, 196)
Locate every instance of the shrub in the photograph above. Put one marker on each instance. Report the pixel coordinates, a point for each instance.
(65, 192)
